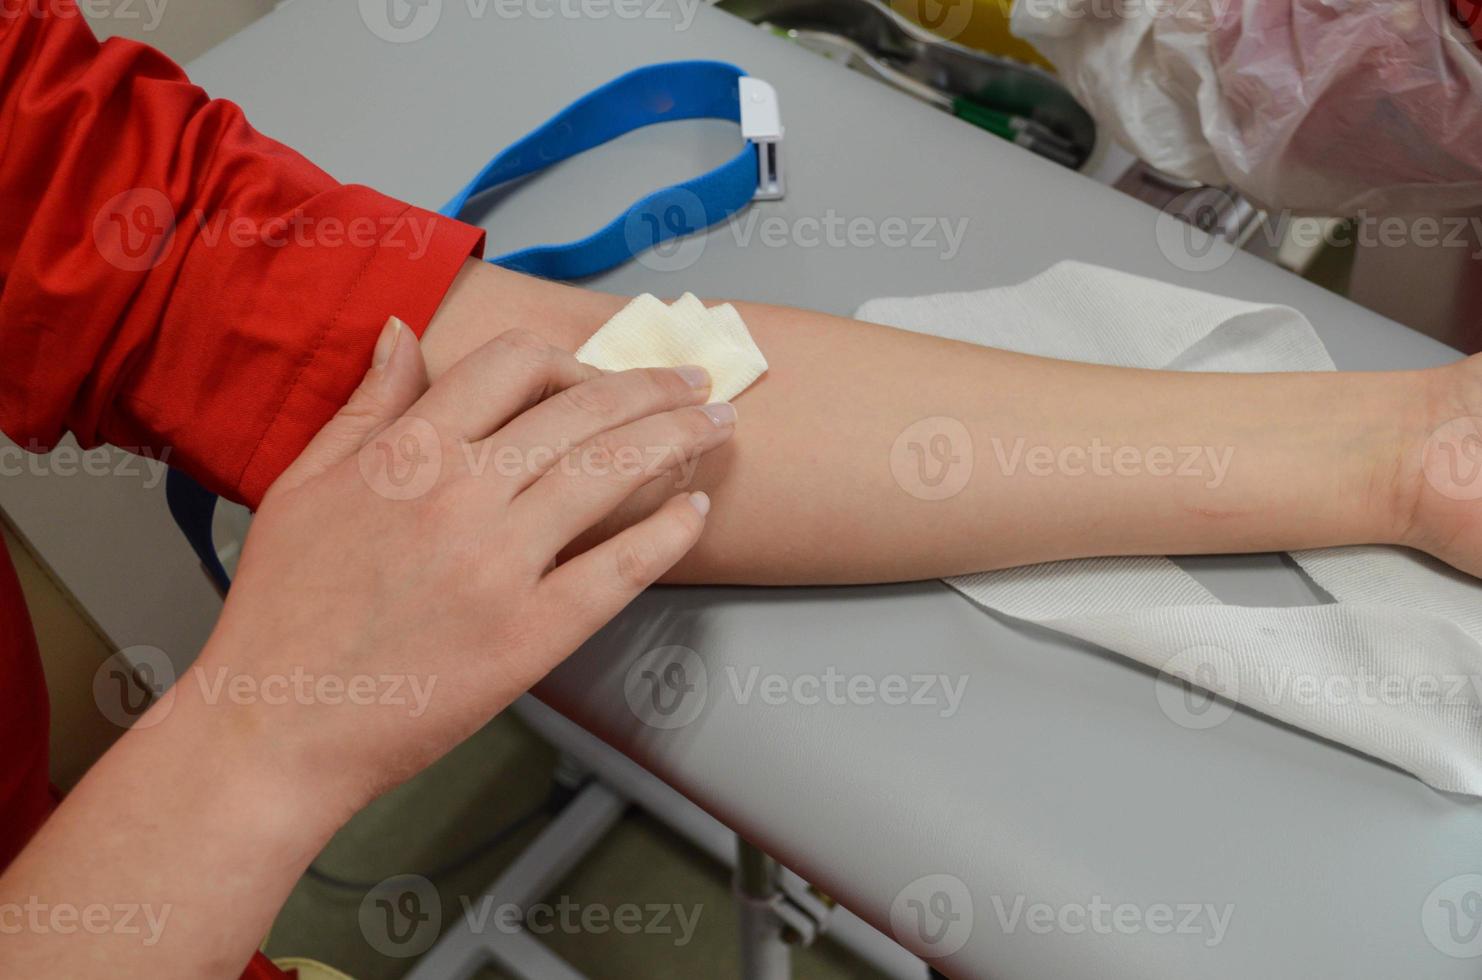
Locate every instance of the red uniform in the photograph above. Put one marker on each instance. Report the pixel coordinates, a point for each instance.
(170, 279)
(1469, 12)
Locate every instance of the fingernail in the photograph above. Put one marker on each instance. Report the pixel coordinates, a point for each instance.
(386, 343)
(694, 376)
(721, 413)
(701, 502)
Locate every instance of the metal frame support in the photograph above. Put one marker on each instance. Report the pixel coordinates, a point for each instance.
(776, 908)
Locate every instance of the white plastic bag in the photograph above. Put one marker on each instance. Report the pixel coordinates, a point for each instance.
(1333, 107)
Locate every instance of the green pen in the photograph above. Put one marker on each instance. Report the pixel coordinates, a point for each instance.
(1027, 133)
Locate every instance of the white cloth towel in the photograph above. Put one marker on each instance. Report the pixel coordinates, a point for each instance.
(1392, 668)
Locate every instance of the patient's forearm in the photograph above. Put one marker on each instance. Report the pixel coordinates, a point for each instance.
(828, 481)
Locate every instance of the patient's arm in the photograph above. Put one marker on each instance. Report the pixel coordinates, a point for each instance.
(806, 492)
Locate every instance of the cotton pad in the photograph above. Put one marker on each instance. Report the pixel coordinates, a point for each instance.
(646, 333)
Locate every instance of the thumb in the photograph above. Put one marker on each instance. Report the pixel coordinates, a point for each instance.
(396, 379)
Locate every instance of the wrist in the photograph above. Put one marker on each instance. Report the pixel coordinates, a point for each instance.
(185, 819)
(225, 760)
(1437, 398)
(1437, 472)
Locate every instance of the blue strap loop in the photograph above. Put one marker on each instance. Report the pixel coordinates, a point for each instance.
(194, 510)
(652, 94)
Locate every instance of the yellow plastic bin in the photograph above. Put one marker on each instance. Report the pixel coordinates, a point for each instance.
(979, 24)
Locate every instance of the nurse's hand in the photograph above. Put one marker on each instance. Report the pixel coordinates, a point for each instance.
(399, 586)
(409, 556)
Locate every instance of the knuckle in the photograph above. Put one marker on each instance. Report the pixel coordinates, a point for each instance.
(638, 564)
(667, 451)
(443, 511)
(364, 405)
(681, 436)
(695, 426)
(520, 340)
(666, 386)
(687, 526)
(603, 450)
(592, 399)
(606, 457)
(527, 351)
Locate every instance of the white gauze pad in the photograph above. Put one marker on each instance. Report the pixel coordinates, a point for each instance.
(646, 333)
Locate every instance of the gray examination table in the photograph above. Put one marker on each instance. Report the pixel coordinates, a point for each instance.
(1059, 779)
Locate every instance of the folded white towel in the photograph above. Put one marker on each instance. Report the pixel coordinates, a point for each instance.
(1393, 668)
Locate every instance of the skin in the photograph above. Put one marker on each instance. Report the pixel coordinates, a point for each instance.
(1313, 460)
(487, 608)
(455, 586)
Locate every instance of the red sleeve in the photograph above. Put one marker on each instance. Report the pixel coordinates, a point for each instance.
(1469, 12)
(172, 281)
